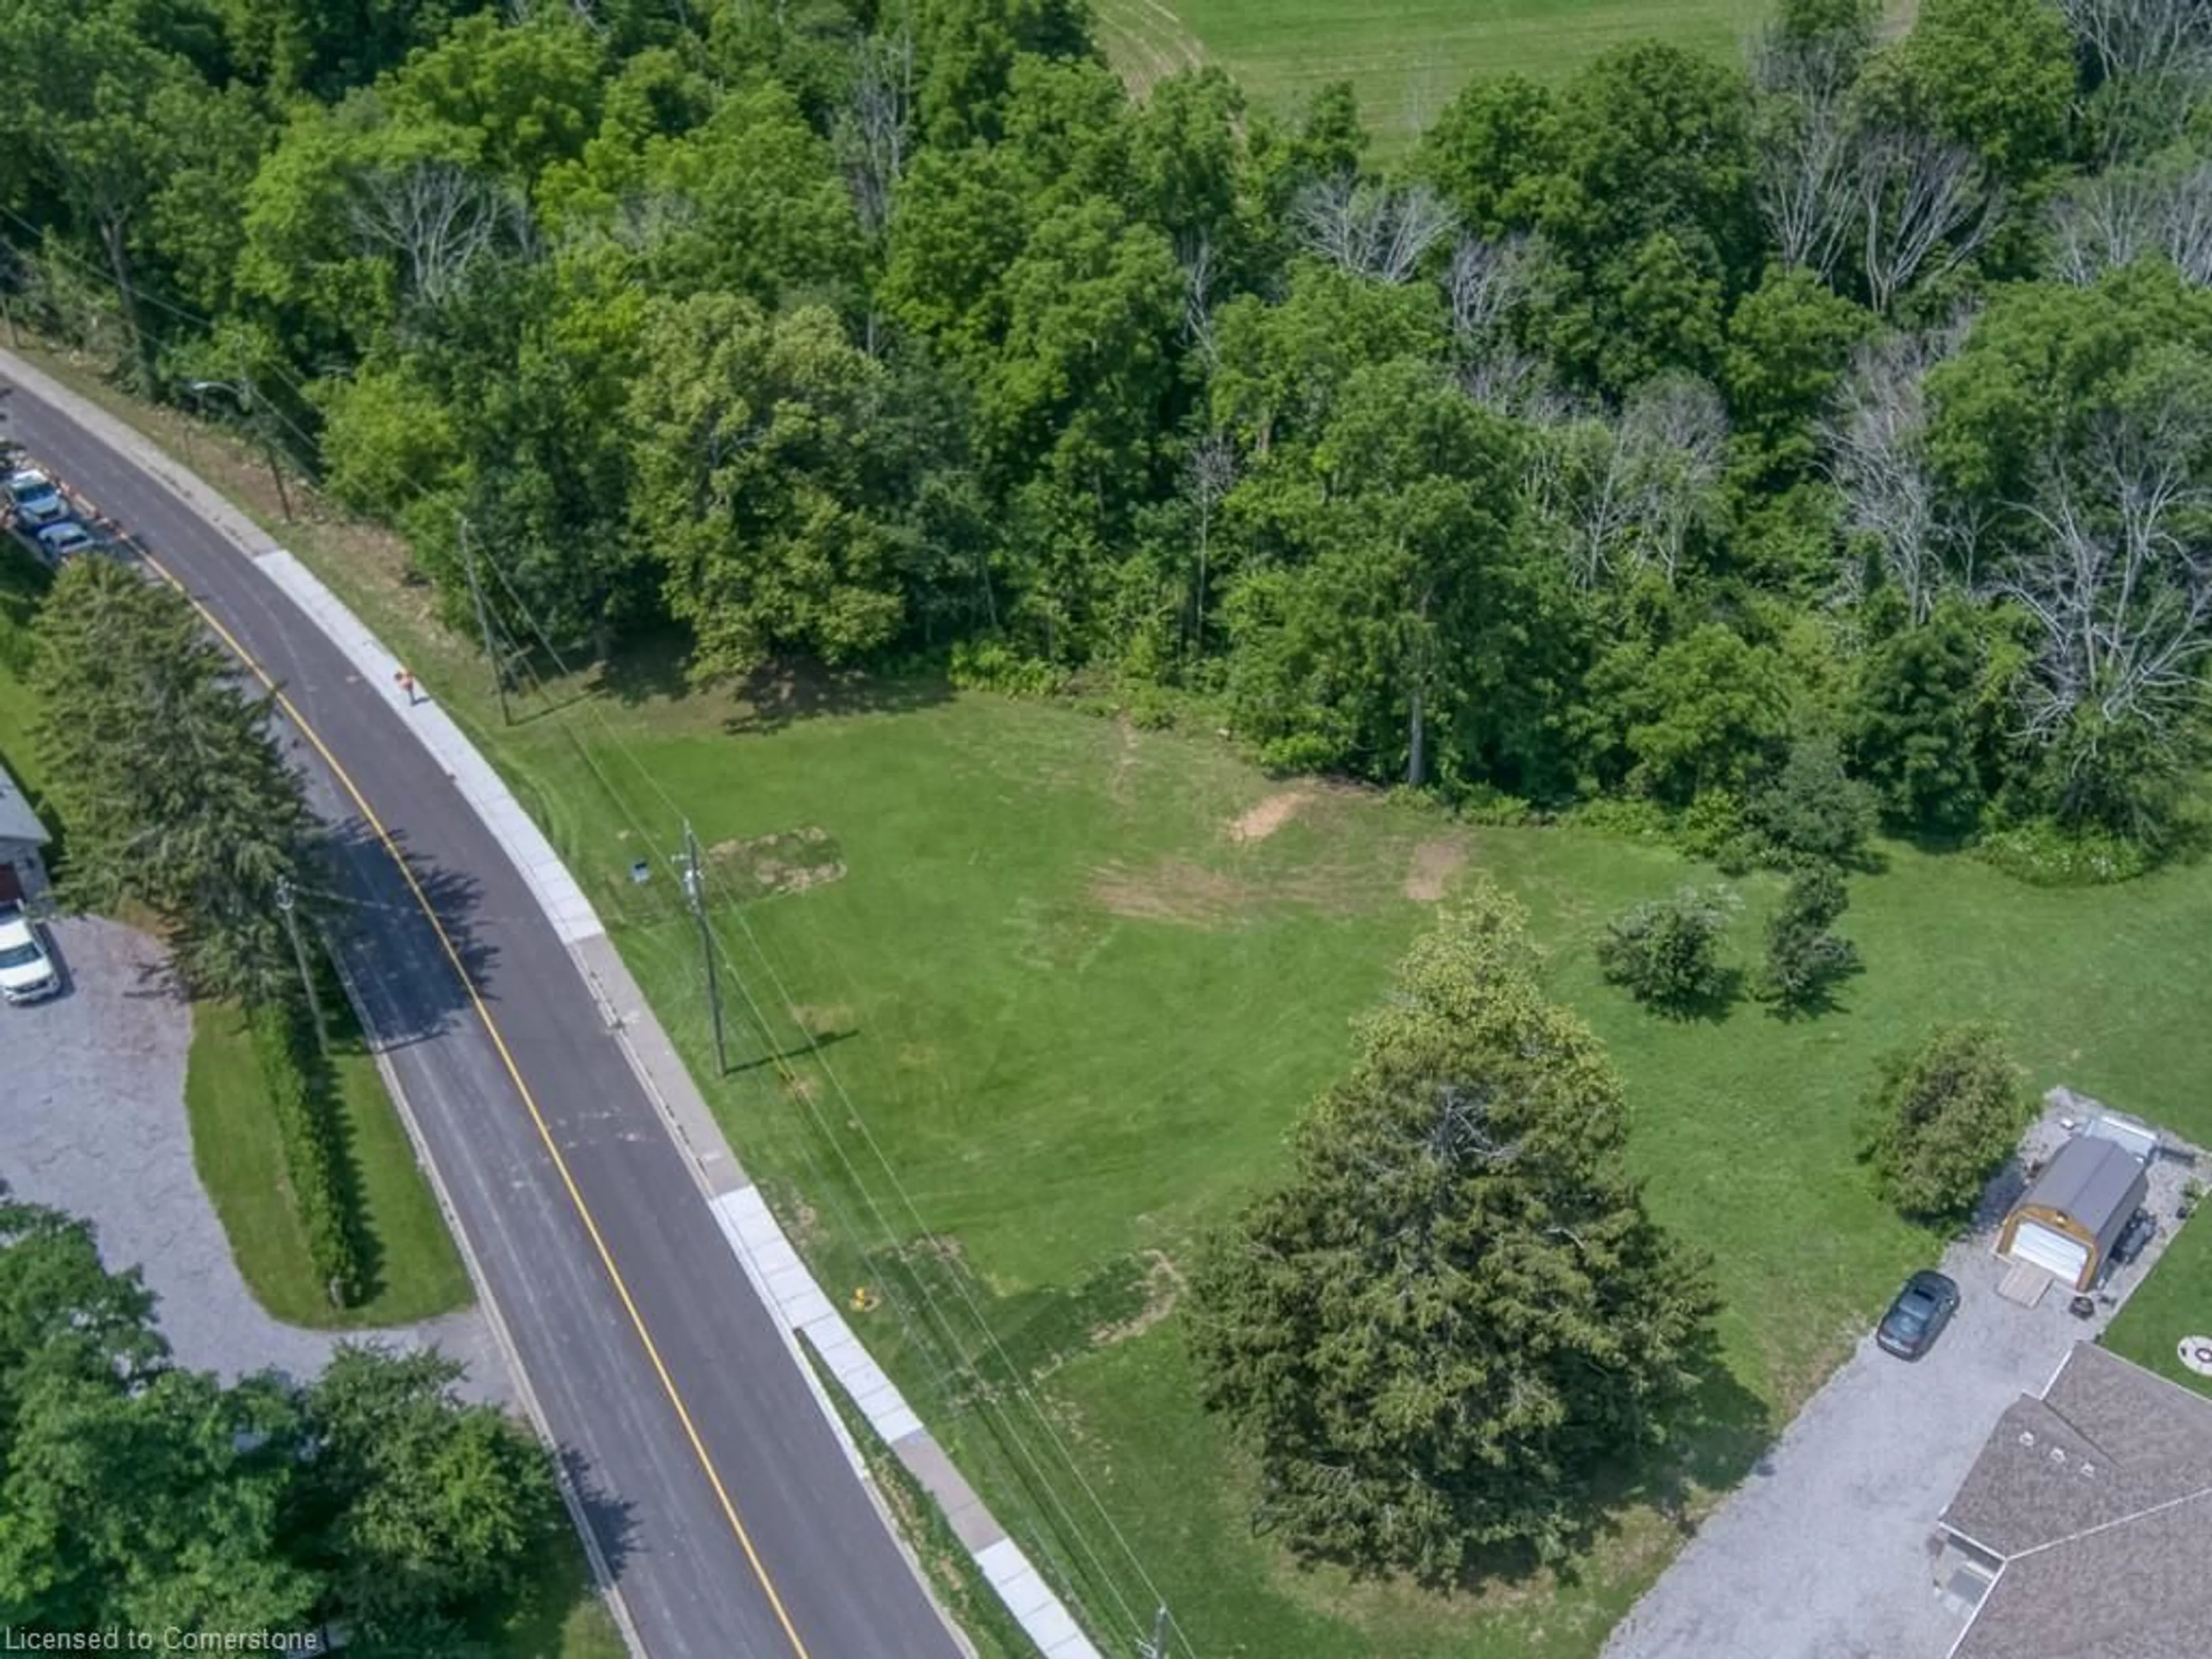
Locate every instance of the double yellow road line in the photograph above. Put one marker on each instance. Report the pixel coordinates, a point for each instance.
(529, 1100)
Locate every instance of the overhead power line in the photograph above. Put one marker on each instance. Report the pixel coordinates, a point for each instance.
(1166, 1638)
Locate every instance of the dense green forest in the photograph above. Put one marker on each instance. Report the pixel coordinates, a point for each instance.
(138, 1497)
(1633, 433)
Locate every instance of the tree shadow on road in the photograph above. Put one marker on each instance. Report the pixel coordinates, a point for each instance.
(411, 978)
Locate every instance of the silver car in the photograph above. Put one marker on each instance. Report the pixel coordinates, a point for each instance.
(65, 540)
(38, 501)
(26, 969)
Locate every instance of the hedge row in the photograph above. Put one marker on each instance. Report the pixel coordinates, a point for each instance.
(312, 1157)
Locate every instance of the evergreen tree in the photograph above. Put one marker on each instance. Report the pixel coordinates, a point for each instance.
(1455, 1310)
(176, 794)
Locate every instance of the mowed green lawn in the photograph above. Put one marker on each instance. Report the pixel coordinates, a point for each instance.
(413, 1270)
(1077, 1015)
(1405, 59)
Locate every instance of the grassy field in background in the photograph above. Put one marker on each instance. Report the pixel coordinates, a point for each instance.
(1076, 1015)
(414, 1272)
(1405, 59)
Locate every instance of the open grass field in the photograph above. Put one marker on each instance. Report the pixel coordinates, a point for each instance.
(1405, 59)
(1077, 1013)
(1072, 982)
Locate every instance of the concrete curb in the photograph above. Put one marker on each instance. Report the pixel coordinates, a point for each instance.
(754, 1236)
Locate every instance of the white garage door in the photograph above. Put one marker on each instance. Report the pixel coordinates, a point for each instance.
(2051, 1250)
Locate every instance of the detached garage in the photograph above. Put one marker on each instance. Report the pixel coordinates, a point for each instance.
(2072, 1214)
(23, 841)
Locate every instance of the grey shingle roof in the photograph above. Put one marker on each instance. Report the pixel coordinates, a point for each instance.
(2134, 1591)
(2099, 1497)
(17, 821)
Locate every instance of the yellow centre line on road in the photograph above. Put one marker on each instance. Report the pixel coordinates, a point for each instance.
(529, 1100)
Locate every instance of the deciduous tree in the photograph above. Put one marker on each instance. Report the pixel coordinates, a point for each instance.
(1941, 1118)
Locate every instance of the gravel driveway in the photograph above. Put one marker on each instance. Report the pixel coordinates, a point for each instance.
(94, 1123)
(1826, 1551)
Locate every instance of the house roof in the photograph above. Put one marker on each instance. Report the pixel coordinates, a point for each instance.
(2096, 1181)
(2099, 1496)
(2136, 1591)
(17, 821)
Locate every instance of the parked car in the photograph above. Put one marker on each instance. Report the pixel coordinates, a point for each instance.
(2134, 1238)
(26, 969)
(38, 499)
(65, 540)
(1918, 1315)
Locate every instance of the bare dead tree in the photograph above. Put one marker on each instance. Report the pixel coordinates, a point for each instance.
(1675, 432)
(2109, 220)
(439, 219)
(1370, 229)
(1808, 65)
(1925, 208)
(1195, 254)
(1578, 482)
(2121, 584)
(1874, 445)
(1807, 171)
(1628, 496)
(2157, 37)
(1519, 385)
(1487, 280)
(1210, 475)
(875, 131)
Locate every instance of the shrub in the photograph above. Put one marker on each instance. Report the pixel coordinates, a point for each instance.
(313, 1161)
(1666, 951)
(1942, 1119)
(989, 665)
(1713, 827)
(1811, 811)
(1636, 817)
(2043, 854)
(1803, 958)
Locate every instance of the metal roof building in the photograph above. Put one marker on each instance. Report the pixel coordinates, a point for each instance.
(2071, 1214)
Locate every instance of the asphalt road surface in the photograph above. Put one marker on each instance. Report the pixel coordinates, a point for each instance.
(798, 1563)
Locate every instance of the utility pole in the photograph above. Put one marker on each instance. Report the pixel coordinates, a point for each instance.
(483, 624)
(287, 908)
(268, 448)
(694, 889)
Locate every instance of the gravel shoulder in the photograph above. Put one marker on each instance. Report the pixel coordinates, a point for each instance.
(94, 1123)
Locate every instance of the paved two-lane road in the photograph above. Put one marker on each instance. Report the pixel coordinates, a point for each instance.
(733, 1521)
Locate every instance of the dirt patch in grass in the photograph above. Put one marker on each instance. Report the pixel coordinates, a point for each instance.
(1125, 757)
(1269, 816)
(1435, 863)
(1164, 1285)
(1173, 890)
(788, 861)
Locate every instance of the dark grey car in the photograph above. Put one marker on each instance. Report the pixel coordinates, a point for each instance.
(1918, 1316)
